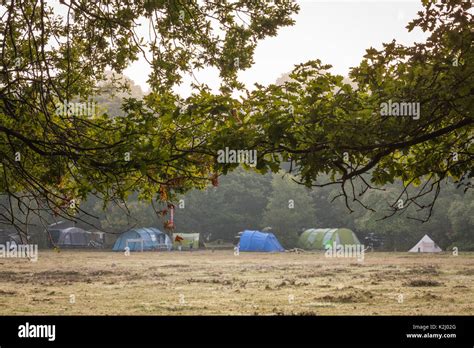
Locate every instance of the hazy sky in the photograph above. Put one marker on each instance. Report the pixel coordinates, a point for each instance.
(335, 31)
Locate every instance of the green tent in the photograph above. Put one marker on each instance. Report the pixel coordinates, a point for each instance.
(185, 240)
(318, 238)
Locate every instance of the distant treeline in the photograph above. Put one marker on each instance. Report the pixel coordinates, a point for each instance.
(247, 200)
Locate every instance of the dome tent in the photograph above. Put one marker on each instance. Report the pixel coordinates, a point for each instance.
(318, 238)
(259, 241)
(153, 239)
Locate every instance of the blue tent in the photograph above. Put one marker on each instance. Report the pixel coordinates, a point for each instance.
(153, 239)
(259, 241)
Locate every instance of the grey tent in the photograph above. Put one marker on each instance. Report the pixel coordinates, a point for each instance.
(9, 236)
(72, 237)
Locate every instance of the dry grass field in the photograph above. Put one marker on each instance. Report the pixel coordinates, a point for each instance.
(205, 282)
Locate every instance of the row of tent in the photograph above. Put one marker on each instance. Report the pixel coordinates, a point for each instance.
(153, 239)
(318, 239)
(311, 239)
(136, 239)
(150, 238)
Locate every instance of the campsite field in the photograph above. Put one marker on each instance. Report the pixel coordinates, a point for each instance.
(205, 282)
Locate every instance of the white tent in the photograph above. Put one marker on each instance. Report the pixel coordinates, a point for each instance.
(425, 245)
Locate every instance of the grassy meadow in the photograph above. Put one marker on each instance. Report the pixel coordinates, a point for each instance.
(220, 283)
